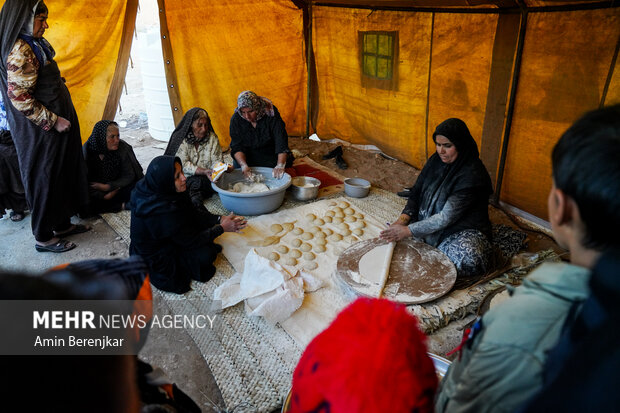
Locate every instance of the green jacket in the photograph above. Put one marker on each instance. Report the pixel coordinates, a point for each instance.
(501, 366)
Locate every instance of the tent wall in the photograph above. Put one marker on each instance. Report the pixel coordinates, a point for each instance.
(220, 49)
(88, 39)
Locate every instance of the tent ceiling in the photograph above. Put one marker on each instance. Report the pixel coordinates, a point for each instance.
(463, 4)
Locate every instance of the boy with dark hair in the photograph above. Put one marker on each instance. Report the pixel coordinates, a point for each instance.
(501, 364)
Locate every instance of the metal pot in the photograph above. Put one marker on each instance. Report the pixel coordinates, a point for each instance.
(305, 188)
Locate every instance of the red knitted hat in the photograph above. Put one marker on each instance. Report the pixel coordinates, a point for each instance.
(372, 358)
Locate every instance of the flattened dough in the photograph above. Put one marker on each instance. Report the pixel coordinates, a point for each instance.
(282, 249)
(374, 266)
(295, 253)
(275, 228)
(298, 231)
(273, 256)
(291, 261)
(312, 265)
(296, 243)
(307, 235)
(310, 217)
(305, 247)
(309, 256)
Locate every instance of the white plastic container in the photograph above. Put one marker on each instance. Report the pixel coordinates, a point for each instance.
(156, 99)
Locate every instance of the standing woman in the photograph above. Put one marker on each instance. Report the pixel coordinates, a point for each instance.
(46, 130)
(258, 135)
(448, 205)
(194, 142)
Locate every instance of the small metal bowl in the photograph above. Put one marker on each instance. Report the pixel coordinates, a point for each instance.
(305, 188)
(356, 187)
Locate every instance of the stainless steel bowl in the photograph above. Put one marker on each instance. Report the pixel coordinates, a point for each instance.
(305, 188)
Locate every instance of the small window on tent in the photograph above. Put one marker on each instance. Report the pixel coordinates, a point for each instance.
(378, 59)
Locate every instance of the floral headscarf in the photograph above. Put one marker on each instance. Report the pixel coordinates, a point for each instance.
(249, 99)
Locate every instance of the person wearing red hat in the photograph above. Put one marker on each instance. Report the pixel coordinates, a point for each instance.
(372, 358)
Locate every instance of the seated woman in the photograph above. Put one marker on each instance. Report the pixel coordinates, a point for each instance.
(113, 169)
(174, 238)
(258, 135)
(12, 194)
(447, 207)
(194, 142)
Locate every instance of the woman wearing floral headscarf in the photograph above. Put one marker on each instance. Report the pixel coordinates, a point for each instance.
(113, 169)
(258, 135)
(45, 125)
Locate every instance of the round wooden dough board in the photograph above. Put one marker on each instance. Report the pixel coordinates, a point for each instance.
(418, 272)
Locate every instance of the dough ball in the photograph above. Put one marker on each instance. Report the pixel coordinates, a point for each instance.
(319, 222)
(345, 232)
(343, 225)
(335, 237)
(275, 228)
(282, 249)
(270, 241)
(358, 215)
(333, 203)
(273, 256)
(310, 217)
(314, 229)
(298, 231)
(337, 221)
(295, 253)
(349, 211)
(319, 234)
(337, 209)
(344, 204)
(305, 247)
(296, 243)
(319, 248)
(327, 219)
(288, 226)
(309, 256)
(307, 235)
(291, 261)
(358, 231)
(320, 241)
(350, 239)
(329, 213)
(312, 265)
(328, 231)
(339, 214)
(350, 218)
(358, 224)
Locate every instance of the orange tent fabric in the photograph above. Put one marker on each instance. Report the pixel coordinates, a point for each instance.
(223, 48)
(87, 38)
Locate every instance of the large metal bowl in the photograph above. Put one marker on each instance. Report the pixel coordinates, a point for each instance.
(255, 203)
(356, 187)
(305, 188)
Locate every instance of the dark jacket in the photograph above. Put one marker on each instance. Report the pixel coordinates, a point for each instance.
(261, 145)
(173, 237)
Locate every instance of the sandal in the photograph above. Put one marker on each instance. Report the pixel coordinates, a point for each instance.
(77, 229)
(17, 216)
(61, 246)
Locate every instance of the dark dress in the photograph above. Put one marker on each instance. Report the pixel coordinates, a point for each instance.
(174, 238)
(261, 145)
(51, 163)
(11, 188)
(120, 169)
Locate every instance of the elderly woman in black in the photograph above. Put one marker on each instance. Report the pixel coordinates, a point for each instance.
(448, 205)
(174, 238)
(258, 135)
(194, 142)
(113, 169)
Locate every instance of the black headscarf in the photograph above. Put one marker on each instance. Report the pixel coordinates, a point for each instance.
(184, 131)
(156, 192)
(97, 144)
(466, 171)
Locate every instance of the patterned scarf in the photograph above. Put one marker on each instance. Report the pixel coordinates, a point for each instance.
(97, 144)
(249, 99)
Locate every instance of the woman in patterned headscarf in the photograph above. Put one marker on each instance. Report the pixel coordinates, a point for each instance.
(258, 135)
(113, 169)
(448, 205)
(39, 106)
(194, 142)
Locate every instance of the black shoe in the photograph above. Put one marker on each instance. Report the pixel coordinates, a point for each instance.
(404, 194)
(341, 163)
(334, 153)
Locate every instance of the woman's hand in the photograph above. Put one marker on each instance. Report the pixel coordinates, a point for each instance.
(202, 171)
(247, 172)
(395, 232)
(110, 194)
(101, 187)
(62, 125)
(278, 171)
(232, 223)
